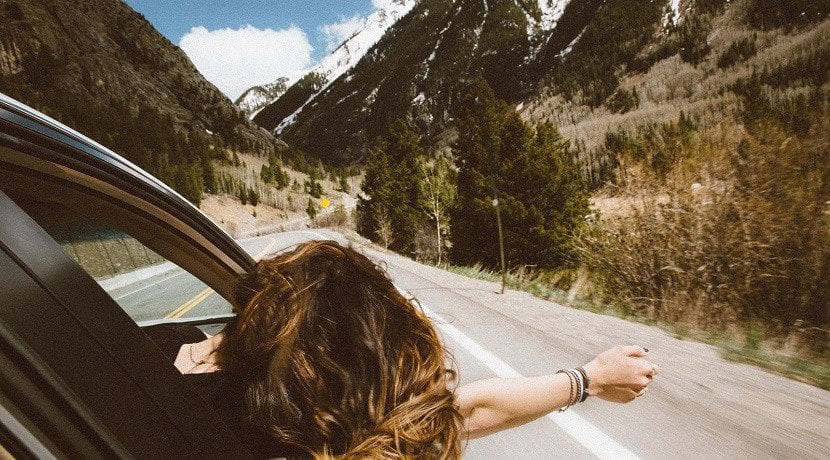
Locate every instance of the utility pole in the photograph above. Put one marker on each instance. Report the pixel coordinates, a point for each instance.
(501, 237)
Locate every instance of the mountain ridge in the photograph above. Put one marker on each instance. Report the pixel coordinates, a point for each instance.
(454, 43)
(101, 52)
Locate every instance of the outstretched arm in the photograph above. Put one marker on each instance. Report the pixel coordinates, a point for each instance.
(619, 375)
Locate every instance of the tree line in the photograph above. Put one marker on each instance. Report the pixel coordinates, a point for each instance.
(430, 205)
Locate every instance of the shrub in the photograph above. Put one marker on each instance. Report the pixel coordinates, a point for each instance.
(748, 246)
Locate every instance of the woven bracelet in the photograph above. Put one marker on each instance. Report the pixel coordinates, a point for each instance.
(571, 381)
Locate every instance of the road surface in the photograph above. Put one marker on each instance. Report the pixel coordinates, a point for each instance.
(700, 406)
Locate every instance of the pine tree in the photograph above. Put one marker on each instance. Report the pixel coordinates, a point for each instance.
(343, 182)
(391, 190)
(531, 174)
(372, 204)
(311, 209)
(404, 148)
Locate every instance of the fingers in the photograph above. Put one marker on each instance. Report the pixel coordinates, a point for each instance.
(642, 392)
(634, 351)
(639, 383)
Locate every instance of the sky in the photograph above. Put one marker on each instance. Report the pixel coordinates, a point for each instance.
(239, 44)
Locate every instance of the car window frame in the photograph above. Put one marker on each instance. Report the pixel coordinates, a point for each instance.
(46, 147)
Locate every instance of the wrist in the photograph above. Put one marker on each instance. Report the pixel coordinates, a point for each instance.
(594, 377)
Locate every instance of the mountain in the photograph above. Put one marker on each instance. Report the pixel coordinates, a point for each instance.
(542, 55)
(418, 66)
(71, 58)
(342, 59)
(254, 99)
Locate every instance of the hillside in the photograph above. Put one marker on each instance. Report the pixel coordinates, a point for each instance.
(101, 68)
(699, 68)
(420, 65)
(557, 58)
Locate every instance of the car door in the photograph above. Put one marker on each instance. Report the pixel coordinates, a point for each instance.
(78, 377)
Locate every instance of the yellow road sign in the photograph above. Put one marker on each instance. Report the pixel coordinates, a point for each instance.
(324, 203)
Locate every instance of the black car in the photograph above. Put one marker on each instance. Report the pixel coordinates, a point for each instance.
(78, 376)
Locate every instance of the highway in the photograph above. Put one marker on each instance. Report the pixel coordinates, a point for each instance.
(700, 406)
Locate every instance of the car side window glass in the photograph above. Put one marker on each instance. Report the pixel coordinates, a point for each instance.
(143, 283)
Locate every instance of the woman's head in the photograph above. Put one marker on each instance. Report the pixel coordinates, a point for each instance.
(336, 360)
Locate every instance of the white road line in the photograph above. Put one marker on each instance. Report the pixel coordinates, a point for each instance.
(148, 286)
(584, 432)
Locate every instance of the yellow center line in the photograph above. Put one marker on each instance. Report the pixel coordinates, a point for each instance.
(187, 306)
(205, 293)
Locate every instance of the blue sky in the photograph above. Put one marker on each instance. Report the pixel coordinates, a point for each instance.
(237, 44)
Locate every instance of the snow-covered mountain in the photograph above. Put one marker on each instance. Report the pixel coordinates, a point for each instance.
(413, 60)
(254, 99)
(407, 61)
(343, 58)
(538, 18)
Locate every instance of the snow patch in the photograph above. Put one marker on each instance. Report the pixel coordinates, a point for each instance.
(571, 44)
(345, 56)
(673, 14)
(675, 7)
(551, 11)
(419, 99)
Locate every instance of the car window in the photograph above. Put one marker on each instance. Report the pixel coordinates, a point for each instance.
(116, 245)
(143, 283)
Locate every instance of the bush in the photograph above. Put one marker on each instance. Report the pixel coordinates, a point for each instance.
(749, 246)
(338, 218)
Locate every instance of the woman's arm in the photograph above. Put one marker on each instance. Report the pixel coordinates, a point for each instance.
(493, 405)
(619, 374)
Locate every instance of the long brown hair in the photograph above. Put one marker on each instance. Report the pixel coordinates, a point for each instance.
(336, 361)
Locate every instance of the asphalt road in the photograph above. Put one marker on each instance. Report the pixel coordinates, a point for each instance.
(700, 406)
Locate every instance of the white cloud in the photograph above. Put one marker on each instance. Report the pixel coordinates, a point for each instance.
(237, 59)
(338, 32)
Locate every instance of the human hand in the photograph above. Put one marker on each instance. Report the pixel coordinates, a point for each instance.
(620, 374)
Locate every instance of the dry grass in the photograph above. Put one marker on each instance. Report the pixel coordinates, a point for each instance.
(732, 236)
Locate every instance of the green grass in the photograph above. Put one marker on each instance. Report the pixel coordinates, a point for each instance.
(748, 350)
(794, 367)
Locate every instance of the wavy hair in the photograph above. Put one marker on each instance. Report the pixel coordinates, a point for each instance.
(334, 360)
